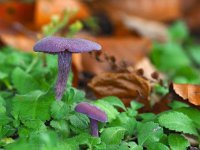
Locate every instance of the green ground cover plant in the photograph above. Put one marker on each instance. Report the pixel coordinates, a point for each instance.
(31, 118)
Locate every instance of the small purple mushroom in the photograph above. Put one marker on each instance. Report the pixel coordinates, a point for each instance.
(64, 47)
(95, 114)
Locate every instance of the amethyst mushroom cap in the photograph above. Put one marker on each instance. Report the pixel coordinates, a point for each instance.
(94, 113)
(64, 47)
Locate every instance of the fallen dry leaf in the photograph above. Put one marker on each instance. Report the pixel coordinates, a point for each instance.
(188, 92)
(149, 9)
(146, 28)
(126, 51)
(18, 41)
(192, 17)
(123, 85)
(16, 11)
(17, 35)
(150, 72)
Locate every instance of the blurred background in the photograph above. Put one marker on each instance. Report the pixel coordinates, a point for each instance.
(156, 39)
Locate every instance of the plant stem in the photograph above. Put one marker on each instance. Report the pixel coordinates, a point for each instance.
(44, 61)
(94, 127)
(64, 65)
(8, 85)
(33, 63)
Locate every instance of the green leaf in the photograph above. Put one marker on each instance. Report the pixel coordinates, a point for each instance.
(15, 58)
(41, 141)
(35, 124)
(160, 89)
(186, 74)
(82, 138)
(74, 96)
(6, 131)
(194, 51)
(157, 146)
(79, 121)
(2, 106)
(134, 146)
(126, 122)
(24, 82)
(192, 113)
(3, 75)
(132, 112)
(113, 135)
(177, 104)
(147, 116)
(115, 101)
(136, 105)
(161, 54)
(149, 132)
(127, 146)
(178, 31)
(59, 110)
(178, 142)
(35, 105)
(61, 127)
(109, 109)
(4, 119)
(178, 122)
(94, 141)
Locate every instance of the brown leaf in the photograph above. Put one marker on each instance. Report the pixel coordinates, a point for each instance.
(150, 72)
(151, 29)
(150, 9)
(126, 50)
(188, 92)
(192, 17)
(18, 41)
(17, 35)
(123, 85)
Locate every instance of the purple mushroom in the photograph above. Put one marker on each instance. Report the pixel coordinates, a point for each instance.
(95, 114)
(64, 47)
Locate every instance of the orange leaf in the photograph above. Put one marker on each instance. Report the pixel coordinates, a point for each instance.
(188, 92)
(16, 11)
(150, 9)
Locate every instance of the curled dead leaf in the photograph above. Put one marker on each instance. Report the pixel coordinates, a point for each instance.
(123, 85)
(188, 92)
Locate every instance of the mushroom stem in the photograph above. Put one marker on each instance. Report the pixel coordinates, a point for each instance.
(94, 127)
(64, 65)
